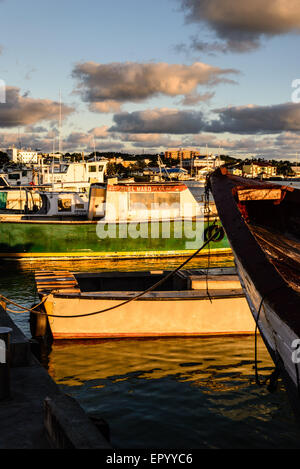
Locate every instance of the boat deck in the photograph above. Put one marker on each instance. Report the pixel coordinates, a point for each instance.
(283, 251)
(188, 284)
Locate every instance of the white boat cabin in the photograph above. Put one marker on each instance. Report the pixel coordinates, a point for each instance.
(109, 202)
(86, 172)
(64, 174)
(43, 203)
(138, 201)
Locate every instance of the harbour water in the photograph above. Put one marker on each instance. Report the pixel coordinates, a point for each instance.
(165, 393)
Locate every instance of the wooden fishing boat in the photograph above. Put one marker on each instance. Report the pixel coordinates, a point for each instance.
(188, 303)
(262, 224)
(114, 220)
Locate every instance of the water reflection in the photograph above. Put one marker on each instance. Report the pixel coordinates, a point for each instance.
(164, 393)
(177, 393)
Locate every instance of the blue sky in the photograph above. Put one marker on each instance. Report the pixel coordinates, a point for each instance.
(43, 42)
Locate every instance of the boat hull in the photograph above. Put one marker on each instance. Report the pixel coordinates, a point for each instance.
(267, 268)
(66, 240)
(280, 340)
(158, 315)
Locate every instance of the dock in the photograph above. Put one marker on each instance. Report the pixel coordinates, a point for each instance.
(36, 414)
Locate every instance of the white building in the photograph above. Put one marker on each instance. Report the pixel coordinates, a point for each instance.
(206, 164)
(22, 156)
(296, 170)
(202, 164)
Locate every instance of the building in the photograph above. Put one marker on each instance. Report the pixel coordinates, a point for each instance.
(202, 164)
(296, 170)
(128, 163)
(181, 154)
(207, 163)
(22, 156)
(262, 169)
(236, 171)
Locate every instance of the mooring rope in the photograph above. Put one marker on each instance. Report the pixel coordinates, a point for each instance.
(157, 284)
(23, 308)
(206, 207)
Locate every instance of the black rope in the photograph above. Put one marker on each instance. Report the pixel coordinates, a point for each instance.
(206, 207)
(160, 282)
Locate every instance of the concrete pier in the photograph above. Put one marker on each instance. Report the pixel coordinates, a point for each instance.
(36, 414)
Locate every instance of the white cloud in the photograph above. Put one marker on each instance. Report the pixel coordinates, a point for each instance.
(106, 86)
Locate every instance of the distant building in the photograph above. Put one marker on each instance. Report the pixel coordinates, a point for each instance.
(235, 171)
(296, 170)
(206, 163)
(127, 163)
(255, 169)
(22, 156)
(202, 164)
(182, 154)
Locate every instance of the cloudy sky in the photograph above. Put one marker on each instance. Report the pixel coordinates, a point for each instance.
(140, 76)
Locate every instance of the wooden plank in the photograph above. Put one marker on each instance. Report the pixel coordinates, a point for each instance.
(47, 281)
(259, 194)
(222, 282)
(56, 279)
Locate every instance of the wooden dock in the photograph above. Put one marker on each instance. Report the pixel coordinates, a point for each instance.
(47, 281)
(36, 414)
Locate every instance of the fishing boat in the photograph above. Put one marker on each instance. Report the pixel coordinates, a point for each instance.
(262, 224)
(62, 174)
(124, 304)
(113, 220)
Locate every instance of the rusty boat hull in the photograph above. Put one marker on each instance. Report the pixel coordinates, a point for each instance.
(262, 224)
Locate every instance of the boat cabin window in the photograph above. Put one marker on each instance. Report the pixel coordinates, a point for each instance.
(14, 176)
(64, 205)
(92, 169)
(20, 201)
(141, 201)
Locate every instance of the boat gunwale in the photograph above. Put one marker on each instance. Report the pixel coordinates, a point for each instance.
(48, 220)
(172, 295)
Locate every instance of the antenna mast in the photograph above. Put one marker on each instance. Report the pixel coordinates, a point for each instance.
(59, 124)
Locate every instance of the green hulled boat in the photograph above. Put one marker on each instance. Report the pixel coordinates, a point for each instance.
(126, 220)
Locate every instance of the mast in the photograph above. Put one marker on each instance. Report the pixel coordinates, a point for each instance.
(95, 157)
(59, 124)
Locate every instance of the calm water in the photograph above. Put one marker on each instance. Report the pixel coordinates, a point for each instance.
(166, 393)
